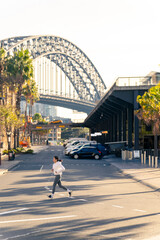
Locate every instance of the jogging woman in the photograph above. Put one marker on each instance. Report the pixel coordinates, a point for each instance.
(57, 169)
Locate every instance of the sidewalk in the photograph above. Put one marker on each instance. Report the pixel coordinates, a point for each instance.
(8, 165)
(141, 173)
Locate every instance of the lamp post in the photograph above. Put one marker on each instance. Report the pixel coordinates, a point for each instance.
(9, 142)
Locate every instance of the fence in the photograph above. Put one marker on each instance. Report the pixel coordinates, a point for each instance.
(147, 157)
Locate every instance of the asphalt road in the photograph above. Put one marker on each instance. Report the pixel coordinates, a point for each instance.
(105, 204)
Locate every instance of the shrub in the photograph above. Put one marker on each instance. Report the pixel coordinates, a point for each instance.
(5, 152)
(29, 151)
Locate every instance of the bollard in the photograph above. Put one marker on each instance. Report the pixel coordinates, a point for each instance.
(123, 155)
(144, 157)
(149, 157)
(141, 158)
(152, 161)
(130, 155)
(156, 162)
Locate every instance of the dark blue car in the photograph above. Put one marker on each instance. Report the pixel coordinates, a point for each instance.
(87, 152)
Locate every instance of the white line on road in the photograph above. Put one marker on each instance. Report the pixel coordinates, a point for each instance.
(18, 210)
(117, 206)
(84, 200)
(37, 219)
(41, 168)
(138, 210)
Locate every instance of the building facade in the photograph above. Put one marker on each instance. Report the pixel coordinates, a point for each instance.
(115, 113)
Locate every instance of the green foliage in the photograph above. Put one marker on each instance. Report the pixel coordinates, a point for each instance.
(18, 150)
(20, 64)
(9, 118)
(29, 151)
(30, 92)
(67, 133)
(37, 117)
(150, 108)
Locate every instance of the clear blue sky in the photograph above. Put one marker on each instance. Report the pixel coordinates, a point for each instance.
(121, 37)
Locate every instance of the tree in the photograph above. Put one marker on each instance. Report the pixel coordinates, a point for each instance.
(20, 69)
(9, 119)
(3, 73)
(37, 117)
(30, 92)
(150, 110)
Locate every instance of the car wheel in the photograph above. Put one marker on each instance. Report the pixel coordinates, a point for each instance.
(96, 156)
(75, 156)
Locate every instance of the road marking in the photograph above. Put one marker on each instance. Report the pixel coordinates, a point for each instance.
(37, 219)
(41, 168)
(84, 200)
(18, 210)
(138, 210)
(117, 206)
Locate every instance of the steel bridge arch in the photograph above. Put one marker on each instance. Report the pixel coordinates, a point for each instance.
(72, 60)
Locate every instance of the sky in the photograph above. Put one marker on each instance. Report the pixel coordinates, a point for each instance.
(121, 37)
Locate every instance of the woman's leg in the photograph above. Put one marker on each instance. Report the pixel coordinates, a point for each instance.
(61, 186)
(67, 189)
(56, 180)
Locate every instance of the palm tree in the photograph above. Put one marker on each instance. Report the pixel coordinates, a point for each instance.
(20, 69)
(30, 92)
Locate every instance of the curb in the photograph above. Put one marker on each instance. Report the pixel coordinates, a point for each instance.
(5, 170)
(136, 179)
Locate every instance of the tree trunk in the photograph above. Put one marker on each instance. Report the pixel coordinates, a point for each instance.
(19, 93)
(26, 111)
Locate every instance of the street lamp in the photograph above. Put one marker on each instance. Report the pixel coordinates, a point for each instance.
(9, 139)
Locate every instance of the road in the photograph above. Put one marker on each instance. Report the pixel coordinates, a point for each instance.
(105, 203)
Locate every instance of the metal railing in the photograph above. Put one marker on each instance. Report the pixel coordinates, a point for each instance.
(137, 81)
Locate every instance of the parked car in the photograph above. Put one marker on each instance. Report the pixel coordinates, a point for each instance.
(99, 147)
(78, 145)
(71, 148)
(86, 152)
(115, 147)
(74, 143)
(69, 141)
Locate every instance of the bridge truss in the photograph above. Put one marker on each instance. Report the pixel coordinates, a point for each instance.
(61, 68)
